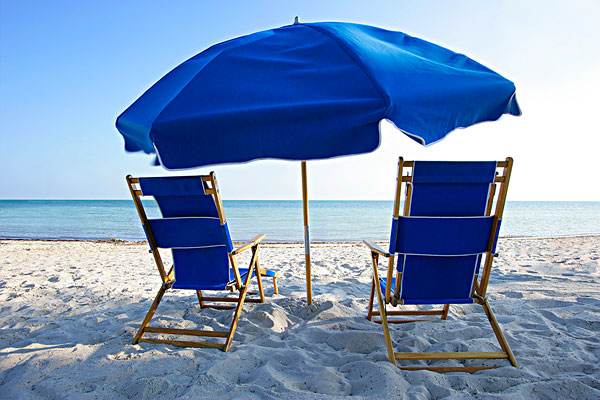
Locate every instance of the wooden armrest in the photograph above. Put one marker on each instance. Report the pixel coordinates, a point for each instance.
(256, 240)
(376, 249)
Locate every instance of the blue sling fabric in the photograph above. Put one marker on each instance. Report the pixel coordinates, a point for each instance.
(445, 236)
(180, 196)
(439, 244)
(189, 232)
(191, 228)
(457, 189)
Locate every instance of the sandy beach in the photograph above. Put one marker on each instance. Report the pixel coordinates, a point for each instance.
(68, 311)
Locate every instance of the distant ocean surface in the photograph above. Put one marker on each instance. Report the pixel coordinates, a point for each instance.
(280, 220)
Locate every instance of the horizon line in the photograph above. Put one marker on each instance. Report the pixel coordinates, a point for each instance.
(298, 200)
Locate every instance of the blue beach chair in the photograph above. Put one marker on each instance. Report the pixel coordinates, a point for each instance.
(442, 247)
(193, 226)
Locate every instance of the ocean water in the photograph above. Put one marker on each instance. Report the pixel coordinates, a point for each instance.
(280, 220)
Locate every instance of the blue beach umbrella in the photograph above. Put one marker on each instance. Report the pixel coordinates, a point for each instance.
(310, 91)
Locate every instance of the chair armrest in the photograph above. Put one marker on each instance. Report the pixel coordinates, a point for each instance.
(255, 241)
(376, 249)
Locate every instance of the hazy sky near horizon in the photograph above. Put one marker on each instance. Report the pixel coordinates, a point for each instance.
(68, 69)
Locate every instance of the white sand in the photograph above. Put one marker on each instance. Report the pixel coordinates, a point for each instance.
(68, 311)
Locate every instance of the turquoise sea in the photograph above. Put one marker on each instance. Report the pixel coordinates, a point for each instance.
(280, 220)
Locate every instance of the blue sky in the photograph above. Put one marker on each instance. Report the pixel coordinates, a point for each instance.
(68, 68)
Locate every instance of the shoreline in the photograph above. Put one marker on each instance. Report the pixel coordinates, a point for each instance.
(281, 242)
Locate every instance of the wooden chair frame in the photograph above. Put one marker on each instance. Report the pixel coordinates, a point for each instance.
(496, 201)
(168, 278)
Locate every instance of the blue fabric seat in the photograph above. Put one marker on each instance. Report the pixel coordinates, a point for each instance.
(440, 242)
(191, 228)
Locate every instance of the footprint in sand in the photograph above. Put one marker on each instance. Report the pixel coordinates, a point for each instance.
(11, 296)
(513, 295)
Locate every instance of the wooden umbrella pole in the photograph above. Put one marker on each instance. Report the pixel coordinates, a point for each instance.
(306, 233)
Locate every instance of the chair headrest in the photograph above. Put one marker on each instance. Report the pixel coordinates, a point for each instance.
(458, 172)
(172, 186)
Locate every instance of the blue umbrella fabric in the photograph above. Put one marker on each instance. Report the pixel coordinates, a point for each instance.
(310, 91)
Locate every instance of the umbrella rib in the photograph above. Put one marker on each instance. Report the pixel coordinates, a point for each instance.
(357, 61)
(197, 72)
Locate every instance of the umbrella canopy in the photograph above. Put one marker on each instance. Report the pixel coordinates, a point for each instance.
(310, 91)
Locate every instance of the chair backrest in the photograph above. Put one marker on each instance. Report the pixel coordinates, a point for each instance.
(447, 228)
(193, 226)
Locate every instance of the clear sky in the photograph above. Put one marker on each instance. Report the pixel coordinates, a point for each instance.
(68, 68)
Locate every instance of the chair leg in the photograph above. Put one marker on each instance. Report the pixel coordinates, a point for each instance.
(261, 291)
(370, 309)
(498, 332)
(386, 330)
(275, 288)
(227, 335)
(505, 354)
(149, 314)
(382, 311)
(240, 305)
(445, 311)
(200, 302)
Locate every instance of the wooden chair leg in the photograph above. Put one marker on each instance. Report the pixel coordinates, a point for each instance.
(259, 280)
(149, 314)
(506, 354)
(275, 288)
(386, 330)
(445, 311)
(498, 332)
(370, 309)
(200, 302)
(240, 305)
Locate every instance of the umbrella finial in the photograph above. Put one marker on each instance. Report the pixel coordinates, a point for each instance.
(296, 20)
